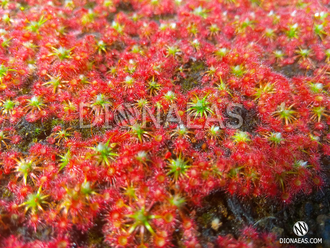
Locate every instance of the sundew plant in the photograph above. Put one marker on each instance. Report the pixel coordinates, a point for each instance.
(164, 123)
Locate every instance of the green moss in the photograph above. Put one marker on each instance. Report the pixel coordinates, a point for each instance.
(194, 73)
(206, 218)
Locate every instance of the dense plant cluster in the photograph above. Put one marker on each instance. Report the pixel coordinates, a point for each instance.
(140, 179)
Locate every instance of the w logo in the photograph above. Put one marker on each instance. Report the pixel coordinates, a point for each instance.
(300, 228)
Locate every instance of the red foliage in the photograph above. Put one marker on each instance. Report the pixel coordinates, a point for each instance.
(198, 68)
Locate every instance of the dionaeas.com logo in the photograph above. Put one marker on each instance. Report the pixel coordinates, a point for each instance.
(300, 228)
